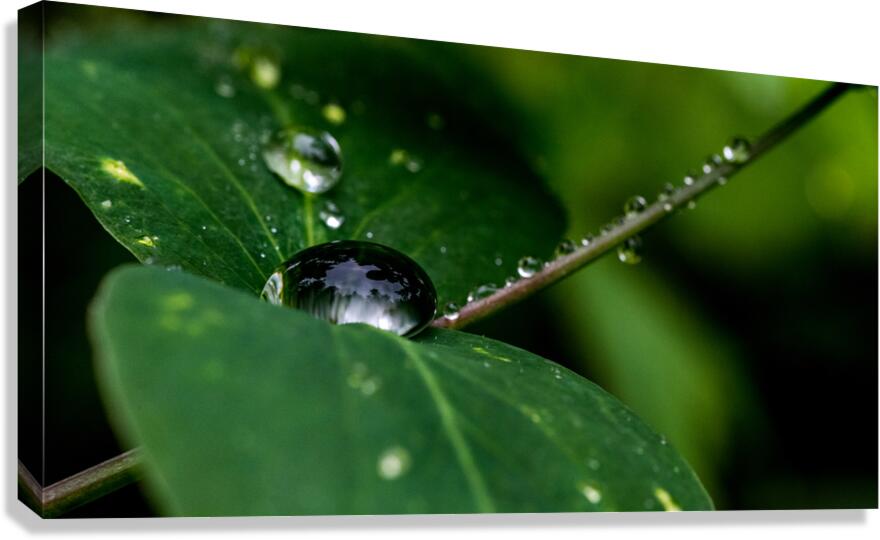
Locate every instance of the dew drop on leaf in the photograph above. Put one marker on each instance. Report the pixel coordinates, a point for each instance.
(587, 240)
(528, 266)
(393, 463)
(349, 281)
(331, 216)
(306, 159)
(334, 113)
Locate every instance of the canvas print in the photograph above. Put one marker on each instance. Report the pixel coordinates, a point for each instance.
(269, 270)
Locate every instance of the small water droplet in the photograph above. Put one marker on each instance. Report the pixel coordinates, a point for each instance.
(630, 251)
(331, 216)
(528, 266)
(348, 281)
(591, 493)
(413, 165)
(722, 180)
(224, 87)
(712, 162)
(565, 247)
(510, 281)
(305, 159)
(443, 250)
(689, 180)
(393, 463)
(634, 206)
(369, 234)
(274, 230)
(334, 113)
(691, 204)
(499, 261)
(593, 464)
(738, 150)
(482, 292)
(262, 255)
(587, 240)
(451, 311)
(204, 227)
(106, 204)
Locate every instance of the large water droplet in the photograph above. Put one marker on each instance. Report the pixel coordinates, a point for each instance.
(634, 206)
(305, 159)
(331, 215)
(349, 281)
(630, 251)
(737, 150)
(482, 292)
(528, 266)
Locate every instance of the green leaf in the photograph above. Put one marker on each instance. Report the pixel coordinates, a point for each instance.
(30, 89)
(247, 408)
(173, 169)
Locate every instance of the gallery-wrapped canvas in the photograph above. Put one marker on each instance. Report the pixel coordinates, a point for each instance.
(268, 270)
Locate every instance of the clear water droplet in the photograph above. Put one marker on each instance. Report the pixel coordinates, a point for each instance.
(393, 463)
(369, 234)
(722, 180)
(451, 311)
(106, 204)
(443, 250)
(528, 266)
(587, 240)
(482, 292)
(688, 180)
(306, 159)
(634, 206)
(349, 281)
(274, 230)
(691, 204)
(334, 113)
(738, 150)
(665, 195)
(331, 216)
(565, 247)
(499, 261)
(630, 251)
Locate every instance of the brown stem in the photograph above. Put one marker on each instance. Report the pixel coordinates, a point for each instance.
(566, 264)
(81, 488)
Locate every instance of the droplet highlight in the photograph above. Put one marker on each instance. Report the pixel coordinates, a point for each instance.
(738, 150)
(331, 215)
(393, 463)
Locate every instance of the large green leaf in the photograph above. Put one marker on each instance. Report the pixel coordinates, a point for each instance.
(173, 169)
(247, 408)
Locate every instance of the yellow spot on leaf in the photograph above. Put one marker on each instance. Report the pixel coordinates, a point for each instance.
(120, 172)
(484, 352)
(147, 241)
(666, 500)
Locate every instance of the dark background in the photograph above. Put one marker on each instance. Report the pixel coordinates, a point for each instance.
(748, 335)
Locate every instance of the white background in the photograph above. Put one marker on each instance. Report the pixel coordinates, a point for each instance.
(823, 40)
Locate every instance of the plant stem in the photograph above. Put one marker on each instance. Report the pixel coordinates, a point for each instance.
(81, 488)
(121, 470)
(566, 264)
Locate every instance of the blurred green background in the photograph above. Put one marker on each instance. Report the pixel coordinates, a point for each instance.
(748, 334)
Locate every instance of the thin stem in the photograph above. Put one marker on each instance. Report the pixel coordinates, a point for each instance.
(81, 488)
(566, 264)
(117, 472)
